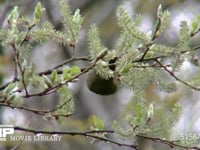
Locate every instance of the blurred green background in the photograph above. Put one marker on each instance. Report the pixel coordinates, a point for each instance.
(103, 14)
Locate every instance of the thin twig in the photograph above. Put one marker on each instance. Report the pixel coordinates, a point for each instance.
(49, 71)
(144, 54)
(196, 48)
(73, 133)
(90, 133)
(26, 37)
(57, 86)
(17, 59)
(195, 33)
(154, 36)
(38, 112)
(175, 77)
(170, 143)
(94, 134)
(35, 111)
(156, 29)
(148, 66)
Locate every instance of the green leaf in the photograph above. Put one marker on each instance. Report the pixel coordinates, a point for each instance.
(38, 12)
(74, 70)
(11, 97)
(76, 17)
(13, 21)
(14, 15)
(15, 100)
(98, 123)
(149, 55)
(159, 11)
(126, 68)
(66, 74)
(54, 77)
(66, 104)
(69, 72)
(9, 88)
(139, 113)
(195, 25)
(47, 80)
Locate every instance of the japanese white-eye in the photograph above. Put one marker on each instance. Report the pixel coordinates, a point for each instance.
(99, 85)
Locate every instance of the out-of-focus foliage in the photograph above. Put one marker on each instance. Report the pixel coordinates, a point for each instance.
(142, 62)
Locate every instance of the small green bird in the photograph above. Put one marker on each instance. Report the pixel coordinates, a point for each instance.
(99, 85)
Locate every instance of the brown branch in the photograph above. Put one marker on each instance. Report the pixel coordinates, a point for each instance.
(195, 33)
(154, 36)
(167, 142)
(145, 52)
(26, 37)
(175, 77)
(196, 48)
(59, 107)
(49, 71)
(57, 86)
(6, 84)
(94, 134)
(17, 59)
(38, 112)
(150, 65)
(90, 133)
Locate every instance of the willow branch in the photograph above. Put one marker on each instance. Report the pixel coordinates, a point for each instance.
(195, 33)
(39, 112)
(49, 71)
(96, 135)
(17, 59)
(175, 77)
(169, 143)
(57, 86)
(90, 133)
